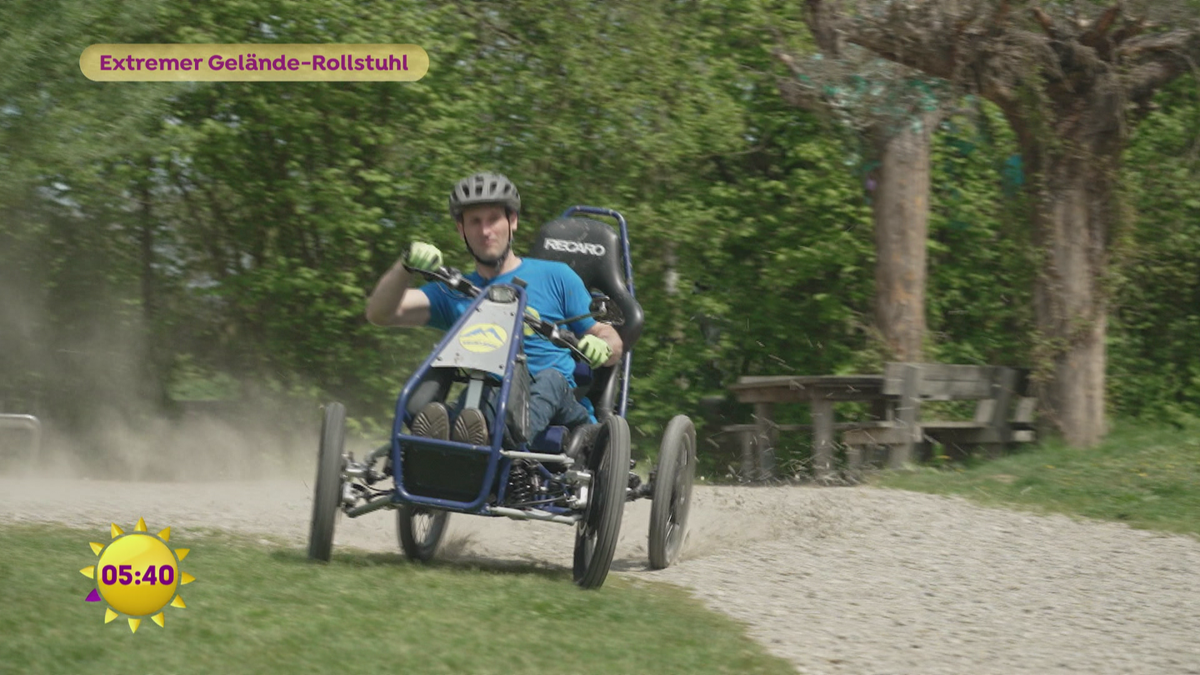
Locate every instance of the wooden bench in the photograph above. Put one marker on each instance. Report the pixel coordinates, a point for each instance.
(994, 426)
(758, 452)
(819, 393)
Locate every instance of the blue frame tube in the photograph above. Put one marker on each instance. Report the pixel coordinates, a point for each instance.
(477, 505)
(627, 359)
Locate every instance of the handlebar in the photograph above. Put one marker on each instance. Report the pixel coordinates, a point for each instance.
(456, 281)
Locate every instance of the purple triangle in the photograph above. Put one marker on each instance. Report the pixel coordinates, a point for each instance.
(94, 597)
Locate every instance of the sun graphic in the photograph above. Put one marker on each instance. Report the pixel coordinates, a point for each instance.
(137, 575)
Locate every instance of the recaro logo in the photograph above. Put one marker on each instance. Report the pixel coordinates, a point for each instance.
(574, 247)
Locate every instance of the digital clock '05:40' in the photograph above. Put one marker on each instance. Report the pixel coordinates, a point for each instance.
(111, 574)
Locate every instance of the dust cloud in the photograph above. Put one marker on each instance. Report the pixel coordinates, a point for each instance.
(81, 364)
(157, 449)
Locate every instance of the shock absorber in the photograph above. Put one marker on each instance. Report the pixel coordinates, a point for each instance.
(522, 482)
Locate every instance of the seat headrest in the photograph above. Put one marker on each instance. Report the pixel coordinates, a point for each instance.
(593, 250)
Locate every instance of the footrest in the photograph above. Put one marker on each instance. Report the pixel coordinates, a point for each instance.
(549, 441)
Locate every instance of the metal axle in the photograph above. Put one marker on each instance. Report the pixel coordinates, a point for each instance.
(518, 514)
(381, 502)
(538, 457)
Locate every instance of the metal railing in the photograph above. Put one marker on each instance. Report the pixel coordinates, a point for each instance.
(27, 422)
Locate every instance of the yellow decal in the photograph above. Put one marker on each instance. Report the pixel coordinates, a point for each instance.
(483, 337)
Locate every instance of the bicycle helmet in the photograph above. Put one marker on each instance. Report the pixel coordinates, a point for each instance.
(480, 189)
(484, 188)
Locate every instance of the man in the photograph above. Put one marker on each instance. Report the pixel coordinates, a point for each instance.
(485, 208)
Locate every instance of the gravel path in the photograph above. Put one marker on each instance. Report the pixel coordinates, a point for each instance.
(837, 580)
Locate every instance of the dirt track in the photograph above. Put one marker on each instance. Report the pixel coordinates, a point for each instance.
(836, 580)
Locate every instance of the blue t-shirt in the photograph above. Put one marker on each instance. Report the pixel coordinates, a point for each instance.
(553, 291)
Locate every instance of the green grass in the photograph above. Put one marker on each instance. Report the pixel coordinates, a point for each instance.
(1145, 476)
(265, 609)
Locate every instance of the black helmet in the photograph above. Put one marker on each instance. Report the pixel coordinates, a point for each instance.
(484, 188)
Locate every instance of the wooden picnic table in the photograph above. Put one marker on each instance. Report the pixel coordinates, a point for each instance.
(819, 392)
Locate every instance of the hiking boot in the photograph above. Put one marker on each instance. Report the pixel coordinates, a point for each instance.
(432, 422)
(470, 427)
(579, 445)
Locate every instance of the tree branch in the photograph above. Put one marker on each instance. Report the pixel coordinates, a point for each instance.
(1094, 36)
(792, 92)
(1046, 22)
(798, 96)
(1158, 59)
(919, 38)
(1158, 44)
(1130, 30)
(822, 27)
(788, 60)
(1001, 14)
(891, 41)
(790, 89)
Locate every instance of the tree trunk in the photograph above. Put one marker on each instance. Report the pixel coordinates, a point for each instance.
(1070, 93)
(671, 286)
(1074, 198)
(154, 369)
(901, 213)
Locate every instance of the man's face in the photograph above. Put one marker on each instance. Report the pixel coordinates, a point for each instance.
(486, 229)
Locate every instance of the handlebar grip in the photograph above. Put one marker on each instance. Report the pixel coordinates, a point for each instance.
(446, 275)
(430, 275)
(571, 342)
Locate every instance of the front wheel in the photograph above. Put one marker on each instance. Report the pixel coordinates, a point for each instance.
(672, 492)
(327, 493)
(596, 535)
(420, 529)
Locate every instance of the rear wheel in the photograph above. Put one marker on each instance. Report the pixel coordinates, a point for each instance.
(596, 535)
(420, 529)
(672, 492)
(327, 493)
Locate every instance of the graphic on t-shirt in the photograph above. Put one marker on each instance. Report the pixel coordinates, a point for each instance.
(534, 312)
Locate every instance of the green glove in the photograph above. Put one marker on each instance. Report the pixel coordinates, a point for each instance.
(424, 256)
(596, 350)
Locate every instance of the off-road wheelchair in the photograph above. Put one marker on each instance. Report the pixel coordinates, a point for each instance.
(579, 477)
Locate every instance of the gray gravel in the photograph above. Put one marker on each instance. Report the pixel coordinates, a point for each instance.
(837, 580)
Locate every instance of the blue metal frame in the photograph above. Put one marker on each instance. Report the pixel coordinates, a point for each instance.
(495, 459)
(498, 465)
(627, 359)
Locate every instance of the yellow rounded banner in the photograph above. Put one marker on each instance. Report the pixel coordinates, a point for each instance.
(254, 63)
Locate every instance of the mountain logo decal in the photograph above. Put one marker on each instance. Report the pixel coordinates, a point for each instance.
(483, 338)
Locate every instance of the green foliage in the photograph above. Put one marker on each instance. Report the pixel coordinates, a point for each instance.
(980, 268)
(69, 262)
(191, 382)
(226, 234)
(294, 197)
(1154, 359)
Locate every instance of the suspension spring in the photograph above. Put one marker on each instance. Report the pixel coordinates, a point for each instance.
(522, 482)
